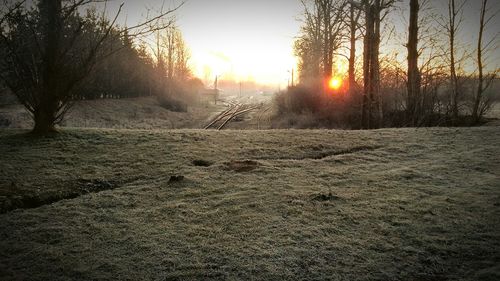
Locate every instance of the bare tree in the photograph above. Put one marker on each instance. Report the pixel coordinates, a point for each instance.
(176, 58)
(333, 25)
(480, 104)
(308, 45)
(413, 84)
(366, 106)
(354, 15)
(425, 65)
(321, 36)
(452, 25)
(372, 114)
(49, 53)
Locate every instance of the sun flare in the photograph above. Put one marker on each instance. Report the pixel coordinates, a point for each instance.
(335, 83)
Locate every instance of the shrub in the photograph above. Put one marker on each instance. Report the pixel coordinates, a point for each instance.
(302, 107)
(172, 104)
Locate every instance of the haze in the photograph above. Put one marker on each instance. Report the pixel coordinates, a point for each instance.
(253, 40)
(238, 40)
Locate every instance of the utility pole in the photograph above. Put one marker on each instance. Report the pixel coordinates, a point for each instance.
(240, 89)
(291, 73)
(216, 91)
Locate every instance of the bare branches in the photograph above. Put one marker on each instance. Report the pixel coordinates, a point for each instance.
(323, 33)
(480, 104)
(9, 10)
(452, 25)
(51, 50)
(156, 23)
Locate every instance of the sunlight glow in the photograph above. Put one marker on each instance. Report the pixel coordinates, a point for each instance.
(335, 83)
(242, 64)
(341, 67)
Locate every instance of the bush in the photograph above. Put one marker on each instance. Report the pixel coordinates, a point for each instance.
(302, 107)
(298, 100)
(172, 104)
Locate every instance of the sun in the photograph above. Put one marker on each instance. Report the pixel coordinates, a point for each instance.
(335, 83)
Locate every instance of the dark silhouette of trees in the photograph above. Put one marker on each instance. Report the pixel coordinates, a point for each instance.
(431, 89)
(322, 34)
(128, 72)
(51, 50)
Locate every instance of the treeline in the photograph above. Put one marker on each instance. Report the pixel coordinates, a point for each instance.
(134, 71)
(124, 69)
(126, 72)
(52, 53)
(431, 87)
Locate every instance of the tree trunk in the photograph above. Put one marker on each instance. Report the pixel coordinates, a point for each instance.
(477, 101)
(45, 117)
(352, 51)
(327, 48)
(372, 113)
(413, 84)
(367, 81)
(46, 110)
(377, 97)
(453, 74)
(371, 35)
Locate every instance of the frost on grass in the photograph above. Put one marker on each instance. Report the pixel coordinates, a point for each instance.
(130, 113)
(408, 204)
(241, 165)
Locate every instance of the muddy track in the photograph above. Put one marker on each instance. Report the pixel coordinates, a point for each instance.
(80, 187)
(325, 154)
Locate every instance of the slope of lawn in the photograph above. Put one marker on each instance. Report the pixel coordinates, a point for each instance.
(392, 204)
(132, 113)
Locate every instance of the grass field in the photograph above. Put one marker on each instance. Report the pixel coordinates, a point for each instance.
(135, 113)
(392, 204)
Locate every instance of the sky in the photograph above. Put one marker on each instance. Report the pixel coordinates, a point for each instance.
(253, 39)
(249, 40)
(467, 35)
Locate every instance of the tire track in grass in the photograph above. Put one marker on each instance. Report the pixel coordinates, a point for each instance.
(326, 154)
(81, 187)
